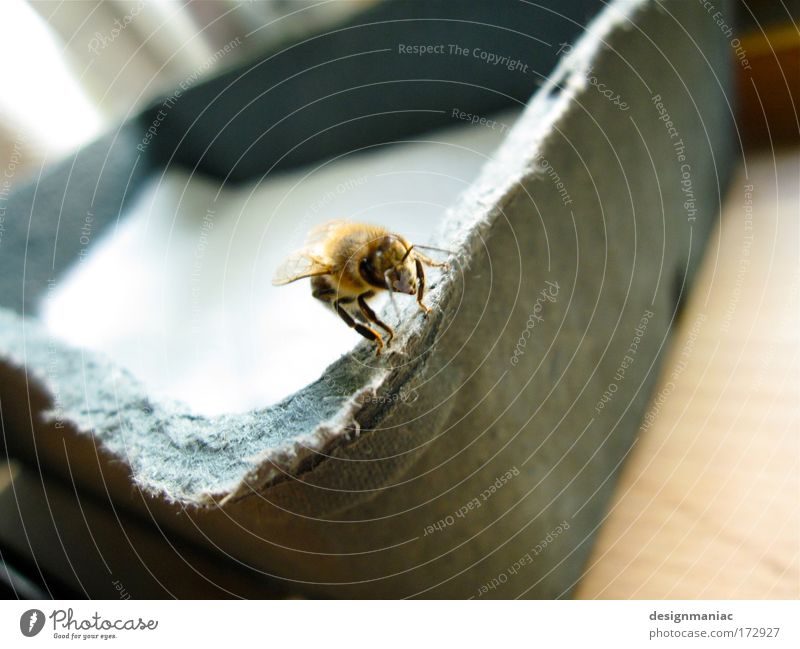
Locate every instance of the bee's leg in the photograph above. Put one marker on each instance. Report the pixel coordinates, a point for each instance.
(368, 332)
(421, 287)
(369, 314)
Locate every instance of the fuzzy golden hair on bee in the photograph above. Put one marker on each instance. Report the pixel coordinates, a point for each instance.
(350, 263)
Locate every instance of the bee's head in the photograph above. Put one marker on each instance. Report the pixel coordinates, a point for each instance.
(401, 276)
(401, 279)
(392, 265)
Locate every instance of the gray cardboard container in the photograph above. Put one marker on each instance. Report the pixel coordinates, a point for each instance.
(480, 462)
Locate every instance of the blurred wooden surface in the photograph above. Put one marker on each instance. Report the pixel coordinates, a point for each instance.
(707, 506)
(768, 80)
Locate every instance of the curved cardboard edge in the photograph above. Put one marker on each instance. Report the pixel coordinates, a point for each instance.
(183, 457)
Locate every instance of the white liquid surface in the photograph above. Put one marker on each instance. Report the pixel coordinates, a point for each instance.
(180, 293)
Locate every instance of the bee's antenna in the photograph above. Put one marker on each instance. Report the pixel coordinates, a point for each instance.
(391, 291)
(408, 252)
(449, 252)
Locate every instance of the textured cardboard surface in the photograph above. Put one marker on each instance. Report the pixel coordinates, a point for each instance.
(349, 487)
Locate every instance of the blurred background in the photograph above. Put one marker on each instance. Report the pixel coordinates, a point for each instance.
(71, 69)
(100, 62)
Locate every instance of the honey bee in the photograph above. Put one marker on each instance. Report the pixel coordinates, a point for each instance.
(350, 263)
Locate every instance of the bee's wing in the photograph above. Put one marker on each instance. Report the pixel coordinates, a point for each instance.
(325, 231)
(298, 265)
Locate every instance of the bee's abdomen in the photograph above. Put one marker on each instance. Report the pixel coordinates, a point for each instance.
(340, 285)
(322, 289)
